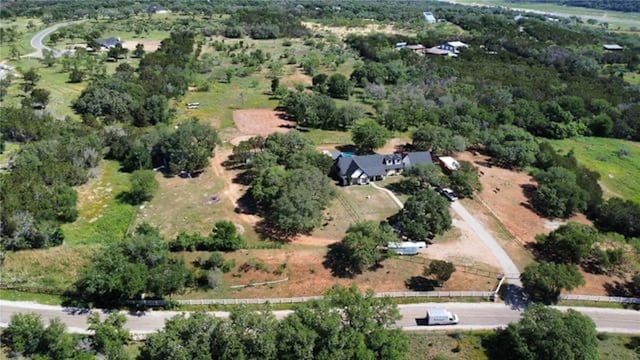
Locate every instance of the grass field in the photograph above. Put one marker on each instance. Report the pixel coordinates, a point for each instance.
(53, 270)
(102, 218)
(619, 174)
(614, 18)
(23, 41)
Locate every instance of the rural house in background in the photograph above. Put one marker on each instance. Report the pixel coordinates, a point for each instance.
(453, 46)
(612, 47)
(428, 17)
(363, 169)
(109, 43)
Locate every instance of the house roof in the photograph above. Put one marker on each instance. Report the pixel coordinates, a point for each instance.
(415, 47)
(612, 47)
(376, 164)
(109, 42)
(449, 162)
(436, 51)
(457, 44)
(428, 16)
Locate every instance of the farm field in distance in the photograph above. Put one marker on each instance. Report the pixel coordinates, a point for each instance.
(617, 162)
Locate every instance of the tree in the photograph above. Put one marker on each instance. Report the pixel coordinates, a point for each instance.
(143, 186)
(570, 243)
(544, 281)
(27, 336)
(436, 139)
(558, 193)
(441, 269)
(621, 216)
(319, 83)
(31, 76)
(225, 237)
(139, 51)
(363, 244)
(465, 181)
(110, 336)
(275, 83)
(338, 86)
(426, 175)
(512, 146)
(39, 98)
(48, 58)
(188, 148)
(76, 76)
(545, 333)
(425, 215)
(369, 135)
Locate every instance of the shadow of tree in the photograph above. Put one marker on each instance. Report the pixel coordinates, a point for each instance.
(420, 283)
(268, 232)
(338, 261)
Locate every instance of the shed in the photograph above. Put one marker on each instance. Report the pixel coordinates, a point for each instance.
(428, 17)
(613, 47)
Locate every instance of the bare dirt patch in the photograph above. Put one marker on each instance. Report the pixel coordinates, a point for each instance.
(149, 45)
(343, 31)
(261, 121)
(394, 145)
(297, 77)
(503, 193)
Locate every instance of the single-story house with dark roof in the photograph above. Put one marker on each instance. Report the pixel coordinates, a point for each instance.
(109, 43)
(363, 169)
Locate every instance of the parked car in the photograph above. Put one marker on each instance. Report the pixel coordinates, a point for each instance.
(448, 193)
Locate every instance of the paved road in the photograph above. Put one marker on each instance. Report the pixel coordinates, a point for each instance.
(473, 316)
(36, 41)
(508, 267)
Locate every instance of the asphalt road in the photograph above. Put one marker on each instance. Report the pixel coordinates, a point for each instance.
(473, 316)
(36, 41)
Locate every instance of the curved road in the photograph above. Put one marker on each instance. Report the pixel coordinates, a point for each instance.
(36, 41)
(473, 316)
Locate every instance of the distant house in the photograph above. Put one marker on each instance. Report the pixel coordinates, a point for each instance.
(518, 17)
(155, 9)
(401, 45)
(363, 169)
(437, 51)
(428, 17)
(613, 47)
(109, 43)
(453, 46)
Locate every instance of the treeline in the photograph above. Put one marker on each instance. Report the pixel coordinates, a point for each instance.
(37, 192)
(617, 5)
(264, 24)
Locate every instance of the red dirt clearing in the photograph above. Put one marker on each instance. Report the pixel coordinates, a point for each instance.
(503, 193)
(261, 122)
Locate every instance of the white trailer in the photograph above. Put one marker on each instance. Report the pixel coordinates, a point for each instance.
(439, 316)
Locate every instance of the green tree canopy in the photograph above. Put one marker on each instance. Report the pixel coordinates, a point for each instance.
(442, 270)
(363, 245)
(369, 135)
(558, 193)
(544, 281)
(465, 181)
(570, 243)
(512, 146)
(545, 333)
(425, 215)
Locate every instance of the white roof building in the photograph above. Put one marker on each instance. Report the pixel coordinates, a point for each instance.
(429, 18)
(449, 162)
(613, 47)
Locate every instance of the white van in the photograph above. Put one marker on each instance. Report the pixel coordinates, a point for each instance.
(439, 316)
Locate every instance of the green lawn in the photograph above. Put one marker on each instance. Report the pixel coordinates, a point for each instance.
(102, 217)
(23, 41)
(619, 174)
(614, 18)
(14, 295)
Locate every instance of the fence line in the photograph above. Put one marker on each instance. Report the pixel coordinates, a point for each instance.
(293, 300)
(614, 299)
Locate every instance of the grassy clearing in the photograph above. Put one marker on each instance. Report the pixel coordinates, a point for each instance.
(10, 148)
(632, 78)
(618, 347)
(444, 345)
(45, 270)
(619, 174)
(102, 217)
(624, 20)
(14, 295)
(23, 41)
(183, 205)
